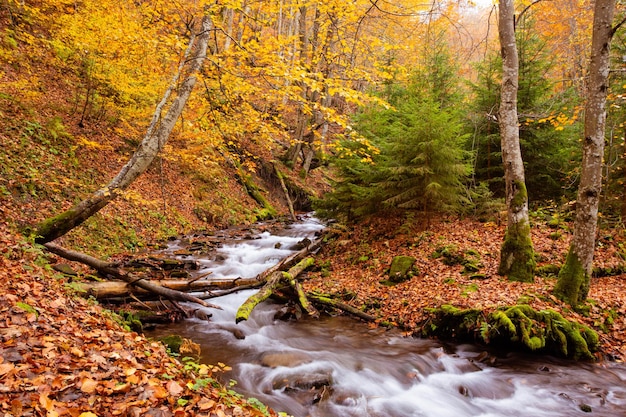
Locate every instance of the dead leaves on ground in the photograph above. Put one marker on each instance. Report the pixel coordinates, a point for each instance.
(64, 356)
(357, 261)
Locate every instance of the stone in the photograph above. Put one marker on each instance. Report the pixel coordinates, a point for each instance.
(401, 268)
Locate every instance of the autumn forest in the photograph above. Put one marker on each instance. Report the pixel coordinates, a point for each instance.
(468, 160)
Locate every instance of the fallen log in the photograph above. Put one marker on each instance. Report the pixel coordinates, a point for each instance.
(108, 269)
(109, 289)
(276, 281)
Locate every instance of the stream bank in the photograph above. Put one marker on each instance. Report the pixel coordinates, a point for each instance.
(337, 366)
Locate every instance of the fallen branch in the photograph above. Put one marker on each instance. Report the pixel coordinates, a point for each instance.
(327, 301)
(107, 269)
(291, 260)
(274, 282)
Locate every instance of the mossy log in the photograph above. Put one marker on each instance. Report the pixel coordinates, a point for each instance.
(522, 326)
(268, 211)
(275, 282)
(281, 178)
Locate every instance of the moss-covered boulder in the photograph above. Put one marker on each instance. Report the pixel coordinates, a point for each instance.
(401, 268)
(515, 327)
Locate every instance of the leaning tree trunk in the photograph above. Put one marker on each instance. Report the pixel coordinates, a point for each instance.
(516, 255)
(574, 278)
(152, 143)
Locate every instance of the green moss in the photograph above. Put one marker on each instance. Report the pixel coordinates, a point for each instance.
(520, 197)
(517, 257)
(172, 342)
(518, 326)
(401, 268)
(49, 227)
(573, 283)
(548, 270)
(503, 322)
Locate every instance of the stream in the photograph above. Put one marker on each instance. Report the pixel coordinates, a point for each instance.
(340, 367)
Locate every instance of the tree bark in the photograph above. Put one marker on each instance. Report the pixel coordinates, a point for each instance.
(516, 255)
(108, 269)
(152, 143)
(286, 191)
(574, 278)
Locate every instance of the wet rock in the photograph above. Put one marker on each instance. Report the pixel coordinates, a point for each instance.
(302, 382)
(238, 334)
(301, 244)
(288, 312)
(202, 315)
(288, 359)
(179, 274)
(323, 394)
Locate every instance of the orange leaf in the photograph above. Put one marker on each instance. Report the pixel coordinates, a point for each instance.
(88, 385)
(174, 388)
(205, 404)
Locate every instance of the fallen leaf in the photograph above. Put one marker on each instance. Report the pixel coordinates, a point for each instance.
(205, 404)
(88, 385)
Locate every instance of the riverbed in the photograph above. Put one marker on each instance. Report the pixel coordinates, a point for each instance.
(338, 366)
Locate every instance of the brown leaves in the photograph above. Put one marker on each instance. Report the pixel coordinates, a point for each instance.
(61, 356)
(406, 303)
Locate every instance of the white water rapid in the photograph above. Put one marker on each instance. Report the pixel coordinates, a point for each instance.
(339, 367)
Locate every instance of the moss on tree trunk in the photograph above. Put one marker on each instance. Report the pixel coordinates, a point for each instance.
(573, 283)
(517, 257)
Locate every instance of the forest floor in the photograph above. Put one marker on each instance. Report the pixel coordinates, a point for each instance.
(64, 355)
(356, 265)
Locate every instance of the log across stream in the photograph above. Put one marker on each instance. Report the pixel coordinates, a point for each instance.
(338, 366)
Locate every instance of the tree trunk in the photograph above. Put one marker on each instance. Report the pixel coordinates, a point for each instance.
(574, 278)
(516, 255)
(286, 191)
(152, 143)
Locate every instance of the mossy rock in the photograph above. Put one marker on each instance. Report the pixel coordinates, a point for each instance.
(549, 270)
(451, 255)
(173, 342)
(401, 268)
(519, 327)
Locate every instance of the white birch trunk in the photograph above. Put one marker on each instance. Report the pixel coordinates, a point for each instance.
(516, 256)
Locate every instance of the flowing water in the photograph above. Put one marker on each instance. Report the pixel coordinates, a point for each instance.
(339, 367)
